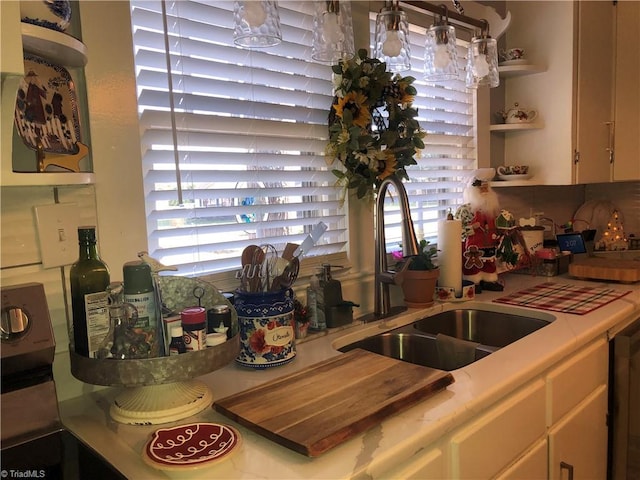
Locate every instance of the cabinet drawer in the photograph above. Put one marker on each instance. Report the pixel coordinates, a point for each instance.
(497, 438)
(569, 384)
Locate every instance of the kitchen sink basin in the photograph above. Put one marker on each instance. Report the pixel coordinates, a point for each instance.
(497, 329)
(411, 347)
(451, 339)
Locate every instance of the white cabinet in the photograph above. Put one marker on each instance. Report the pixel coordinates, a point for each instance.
(577, 414)
(578, 443)
(589, 96)
(531, 466)
(491, 443)
(594, 91)
(626, 165)
(428, 464)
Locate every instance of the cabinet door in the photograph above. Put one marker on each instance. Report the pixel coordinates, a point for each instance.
(626, 165)
(426, 465)
(594, 93)
(492, 442)
(532, 465)
(578, 443)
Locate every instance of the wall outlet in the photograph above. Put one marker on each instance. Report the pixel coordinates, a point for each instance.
(58, 233)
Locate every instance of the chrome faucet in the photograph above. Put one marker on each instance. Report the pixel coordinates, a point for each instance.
(384, 277)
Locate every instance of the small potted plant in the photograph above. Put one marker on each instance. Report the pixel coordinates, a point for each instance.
(418, 276)
(300, 319)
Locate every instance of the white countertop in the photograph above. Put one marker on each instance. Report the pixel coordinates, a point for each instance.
(393, 441)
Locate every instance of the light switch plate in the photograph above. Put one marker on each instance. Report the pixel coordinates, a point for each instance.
(58, 233)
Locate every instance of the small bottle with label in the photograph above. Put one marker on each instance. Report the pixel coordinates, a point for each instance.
(139, 292)
(177, 345)
(194, 325)
(89, 278)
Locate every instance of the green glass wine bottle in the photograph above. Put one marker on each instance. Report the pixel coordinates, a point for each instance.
(89, 278)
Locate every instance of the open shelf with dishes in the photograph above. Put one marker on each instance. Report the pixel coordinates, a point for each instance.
(49, 150)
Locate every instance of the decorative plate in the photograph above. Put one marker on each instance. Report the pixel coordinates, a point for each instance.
(53, 14)
(191, 446)
(46, 110)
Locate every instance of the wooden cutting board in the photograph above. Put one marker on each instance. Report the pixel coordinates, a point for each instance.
(600, 268)
(319, 407)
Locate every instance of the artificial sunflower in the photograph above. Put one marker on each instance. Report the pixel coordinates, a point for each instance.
(372, 124)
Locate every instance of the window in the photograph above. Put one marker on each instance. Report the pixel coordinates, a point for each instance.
(446, 113)
(233, 139)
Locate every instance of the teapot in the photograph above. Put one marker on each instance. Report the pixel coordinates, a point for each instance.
(519, 114)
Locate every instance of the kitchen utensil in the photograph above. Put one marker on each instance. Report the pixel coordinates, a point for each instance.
(310, 412)
(311, 239)
(267, 267)
(289, 250)
(286, 279)
(245, 273)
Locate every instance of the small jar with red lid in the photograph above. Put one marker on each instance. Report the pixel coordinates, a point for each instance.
(194, 326)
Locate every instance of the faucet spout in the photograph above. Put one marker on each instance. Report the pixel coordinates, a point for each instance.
(410, 247)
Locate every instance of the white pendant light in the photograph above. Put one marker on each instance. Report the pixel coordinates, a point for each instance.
(332, 31)
(392, 38)
(482, 61)
(441, 51)
(257, 24)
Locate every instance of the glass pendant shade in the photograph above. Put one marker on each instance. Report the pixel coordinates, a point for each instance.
(441, 54)
(332, 31)
(482, 63)
(257, 24)
(392, 39)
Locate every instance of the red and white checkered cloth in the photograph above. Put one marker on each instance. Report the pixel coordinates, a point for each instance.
(564, 298)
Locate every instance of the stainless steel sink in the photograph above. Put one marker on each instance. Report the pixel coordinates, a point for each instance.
(497, 329)
(419, 343)
(410, 347)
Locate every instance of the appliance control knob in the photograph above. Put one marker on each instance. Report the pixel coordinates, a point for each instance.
(14, 323)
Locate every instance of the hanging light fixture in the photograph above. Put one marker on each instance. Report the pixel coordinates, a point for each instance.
(441, 51)
(332, 31)
(257, 24)
(392, 38)
(482, 60)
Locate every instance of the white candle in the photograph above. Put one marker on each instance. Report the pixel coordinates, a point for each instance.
(450, 254)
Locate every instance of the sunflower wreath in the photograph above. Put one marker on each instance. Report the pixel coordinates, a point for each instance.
(373, 131)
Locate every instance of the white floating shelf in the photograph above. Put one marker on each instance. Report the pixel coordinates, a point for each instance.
(519, 70)
(16, 179)
(506, 127)
(57, 47)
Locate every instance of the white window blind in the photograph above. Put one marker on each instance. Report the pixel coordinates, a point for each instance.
(446, 112)
(241, 133)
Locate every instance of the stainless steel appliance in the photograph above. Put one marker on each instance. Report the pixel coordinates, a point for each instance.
(624, 404)
(34, 441)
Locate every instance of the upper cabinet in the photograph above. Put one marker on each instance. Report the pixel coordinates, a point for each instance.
(588, 97)
(626, 165)
(43, 88)
(595, 129)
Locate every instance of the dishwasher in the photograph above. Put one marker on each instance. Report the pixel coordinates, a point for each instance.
(624, 404)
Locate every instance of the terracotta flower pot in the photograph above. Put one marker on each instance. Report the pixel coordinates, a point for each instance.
(419, 287)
